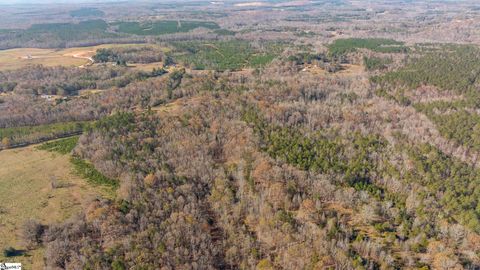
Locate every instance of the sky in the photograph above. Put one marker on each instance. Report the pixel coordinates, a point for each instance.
(59, 1)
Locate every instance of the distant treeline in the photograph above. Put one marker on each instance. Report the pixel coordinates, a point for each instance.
(92, 32)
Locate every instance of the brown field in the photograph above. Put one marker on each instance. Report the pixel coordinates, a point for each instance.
(26, 193)
(87, 92)
(19, 58)
(349, 70)
(79, 56)
(147, 67)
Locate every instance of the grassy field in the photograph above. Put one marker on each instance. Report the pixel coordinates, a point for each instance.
(78, 56)
(19, 58)
(26, 192)
(81, 167)
(146, 67)
(347, 71)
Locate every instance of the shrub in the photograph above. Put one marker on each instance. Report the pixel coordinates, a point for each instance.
(62, 146)
(32, 233)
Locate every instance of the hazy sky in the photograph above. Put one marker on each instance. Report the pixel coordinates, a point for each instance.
(58, 1)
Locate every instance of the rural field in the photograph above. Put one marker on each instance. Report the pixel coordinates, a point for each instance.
(19, 58)
(26, 177)
(72, 57)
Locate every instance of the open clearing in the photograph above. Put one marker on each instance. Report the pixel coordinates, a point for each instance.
(348, 70)
(79, 56)
(19, 58)
(146, 67)
(26, 193)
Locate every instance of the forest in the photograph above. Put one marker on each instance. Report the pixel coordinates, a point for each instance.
(225, 55)
(244, 135)
(95, 31)
(343, 46)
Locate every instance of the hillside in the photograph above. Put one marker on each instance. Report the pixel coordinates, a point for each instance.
(241, 135)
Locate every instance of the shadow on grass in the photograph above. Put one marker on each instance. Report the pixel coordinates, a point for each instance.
(11, 252)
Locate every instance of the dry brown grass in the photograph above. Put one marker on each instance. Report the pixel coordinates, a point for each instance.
(26, 193)
(19, 58)
(79, 56)
(351, 70)
(348, 70)
(146, 67)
